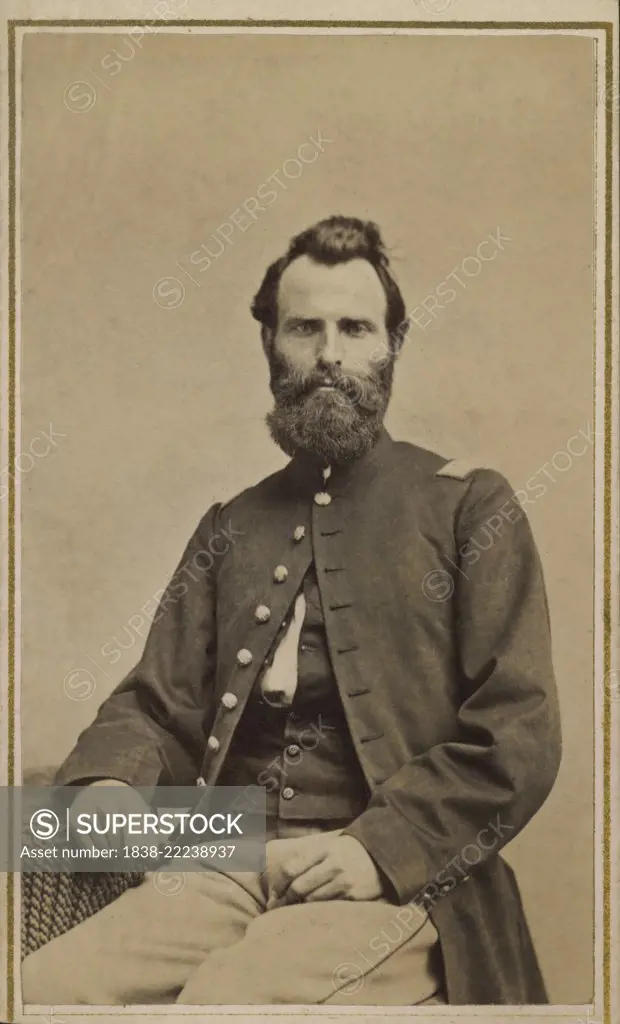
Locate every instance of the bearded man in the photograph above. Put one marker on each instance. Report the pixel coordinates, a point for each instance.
(357, 605)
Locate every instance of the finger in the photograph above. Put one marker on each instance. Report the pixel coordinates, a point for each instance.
(330, 891)
(310, 880)
(294, 867)
(300, 862)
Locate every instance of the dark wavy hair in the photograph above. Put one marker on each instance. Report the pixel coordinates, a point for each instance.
(334, 240)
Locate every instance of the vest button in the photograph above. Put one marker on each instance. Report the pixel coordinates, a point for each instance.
(299, 534)
(244, 657)
(229, 701)
(213, 743)
(288, 793)
(322, 498)
(262, 613)
(293, 750)
(280, 573)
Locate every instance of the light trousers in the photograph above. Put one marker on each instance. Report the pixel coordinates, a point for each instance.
(207, 938)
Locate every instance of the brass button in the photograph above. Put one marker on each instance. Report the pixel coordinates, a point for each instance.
(244, 657)
(288, 793)
(213, 743)
(322, 498)
(293, 750)
(280, 573)
(262, 613)
(229, 701)
(299, 534)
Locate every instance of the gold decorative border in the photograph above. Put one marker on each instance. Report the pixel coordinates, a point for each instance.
(249, 24)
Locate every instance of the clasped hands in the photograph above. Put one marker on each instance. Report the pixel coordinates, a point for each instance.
(320, 866)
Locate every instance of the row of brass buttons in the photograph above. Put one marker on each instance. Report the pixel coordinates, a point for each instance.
(262, 614)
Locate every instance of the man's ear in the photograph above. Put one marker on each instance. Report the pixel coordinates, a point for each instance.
(399, 337)
(267, 335)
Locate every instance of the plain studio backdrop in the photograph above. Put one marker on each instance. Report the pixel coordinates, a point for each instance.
(441, 140)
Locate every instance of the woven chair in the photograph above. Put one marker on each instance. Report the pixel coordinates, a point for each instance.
(52, 902)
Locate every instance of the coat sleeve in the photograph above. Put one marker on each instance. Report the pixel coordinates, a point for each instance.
(151, 728)
(458, 803)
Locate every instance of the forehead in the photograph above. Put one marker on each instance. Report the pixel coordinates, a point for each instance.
(352, 289)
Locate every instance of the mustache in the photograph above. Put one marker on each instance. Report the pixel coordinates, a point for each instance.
(291, 386)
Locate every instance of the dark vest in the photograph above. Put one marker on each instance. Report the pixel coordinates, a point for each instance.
(302, 755)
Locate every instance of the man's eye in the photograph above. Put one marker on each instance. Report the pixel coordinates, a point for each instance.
(356, 330)
(304, 329)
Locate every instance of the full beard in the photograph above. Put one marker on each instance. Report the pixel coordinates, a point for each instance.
(336, 425)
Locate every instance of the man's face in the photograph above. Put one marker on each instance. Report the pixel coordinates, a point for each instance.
(329, 356)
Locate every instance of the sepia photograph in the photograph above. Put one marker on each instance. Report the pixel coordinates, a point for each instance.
(309, 489)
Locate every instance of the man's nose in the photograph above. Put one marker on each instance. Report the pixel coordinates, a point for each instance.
(330, 345)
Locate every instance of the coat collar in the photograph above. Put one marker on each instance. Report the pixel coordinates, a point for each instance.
(306, 472)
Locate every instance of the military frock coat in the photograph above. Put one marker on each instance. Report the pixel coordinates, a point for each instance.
(438, 630)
